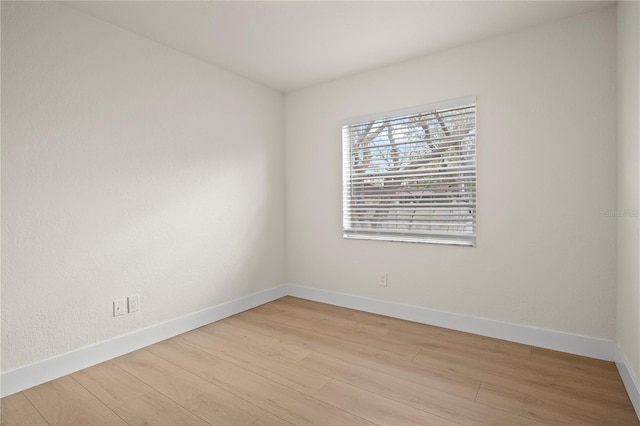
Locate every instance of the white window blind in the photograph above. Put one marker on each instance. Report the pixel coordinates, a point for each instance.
(412, 176)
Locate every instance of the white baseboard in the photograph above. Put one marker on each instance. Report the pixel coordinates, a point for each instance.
(43, 371)
(630, 380)
(556, 340)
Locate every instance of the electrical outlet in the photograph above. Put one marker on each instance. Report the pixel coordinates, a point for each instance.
(382, 279)
(134, 303)
(118, 307)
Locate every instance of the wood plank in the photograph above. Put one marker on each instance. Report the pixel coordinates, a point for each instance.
(333, 310)
(377, 409)
(65, 402)
(280, 371)
(292, 406)
(132, 400)
(576, 363)
(464, 343)
(362, 355)
(266, 345)
(308, 338)
(208, 401)
(551, 381)
(316, 312)
(391, 323)
(551, 411)
(353, 335)
(17, 410)
(403, 331)
(423, 334)
(269, 419)
(451, 407)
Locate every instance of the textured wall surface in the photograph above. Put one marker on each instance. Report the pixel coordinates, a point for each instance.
(127, 168)
(628, 216)
(546, 178)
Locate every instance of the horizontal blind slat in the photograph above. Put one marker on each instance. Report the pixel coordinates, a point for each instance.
(467, 135)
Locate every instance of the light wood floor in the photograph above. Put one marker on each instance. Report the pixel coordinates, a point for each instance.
(298, 362)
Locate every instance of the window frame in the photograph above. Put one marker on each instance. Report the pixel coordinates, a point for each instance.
(469, 239)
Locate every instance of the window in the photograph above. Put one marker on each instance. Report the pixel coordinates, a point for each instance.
(411, 176)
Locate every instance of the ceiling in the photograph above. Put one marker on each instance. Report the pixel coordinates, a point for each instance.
(288, 45)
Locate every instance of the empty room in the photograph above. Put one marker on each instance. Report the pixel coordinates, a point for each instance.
(320, 213)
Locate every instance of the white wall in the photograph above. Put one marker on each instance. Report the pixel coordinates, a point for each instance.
(546, 179)
(127, 167)
(628, 305)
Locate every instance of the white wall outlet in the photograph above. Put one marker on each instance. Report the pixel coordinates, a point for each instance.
(382, 279)
(118, 307)
(134, 303)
